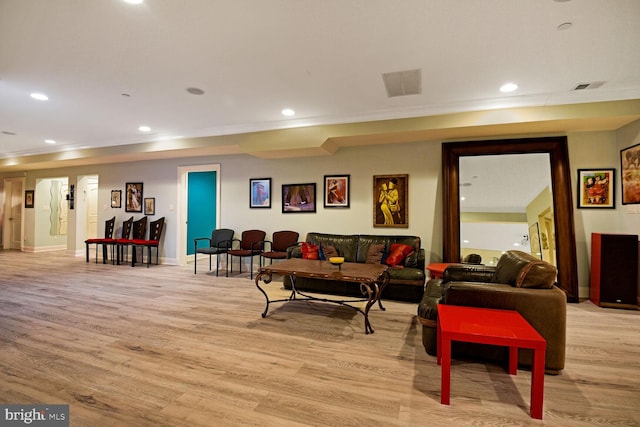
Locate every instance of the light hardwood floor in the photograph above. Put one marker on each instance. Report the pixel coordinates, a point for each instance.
(130, 346)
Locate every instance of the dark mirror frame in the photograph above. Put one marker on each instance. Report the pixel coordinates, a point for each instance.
(557, 149)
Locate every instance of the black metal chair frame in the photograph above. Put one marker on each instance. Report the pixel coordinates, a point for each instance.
(216, 247)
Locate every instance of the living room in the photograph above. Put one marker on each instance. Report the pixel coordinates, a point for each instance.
(163, 346)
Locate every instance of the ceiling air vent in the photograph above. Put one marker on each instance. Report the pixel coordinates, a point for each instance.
(592, 85)
(401, 83)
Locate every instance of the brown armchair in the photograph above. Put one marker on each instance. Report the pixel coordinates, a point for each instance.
(276, 248)
(249, 245)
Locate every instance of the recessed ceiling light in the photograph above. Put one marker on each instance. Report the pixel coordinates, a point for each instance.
(49, 141)
(508, 87)
(564, 26)
(133, 1)
(288, 112)
(39, 96)
(144, 129)
(462, 198)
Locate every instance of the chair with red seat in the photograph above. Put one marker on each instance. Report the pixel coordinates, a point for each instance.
(155, 233)
(276, 248)
(249, 245)
(104, 241)
(138, 232)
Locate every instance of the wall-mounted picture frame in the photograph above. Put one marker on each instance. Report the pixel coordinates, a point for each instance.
(630, 173)
(391, 201)
(337, 191)
(116, 198)
(596, 188)
(299, 198)
(534, 240)
(150, 206)
(29, 196)
(133, 201)
(260, 193)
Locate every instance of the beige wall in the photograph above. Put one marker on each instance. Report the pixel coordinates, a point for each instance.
(421, 160)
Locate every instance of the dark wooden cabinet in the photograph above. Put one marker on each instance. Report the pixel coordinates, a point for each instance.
(614, 270)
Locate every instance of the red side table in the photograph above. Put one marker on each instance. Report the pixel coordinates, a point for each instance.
(436, 269)
(496, 327)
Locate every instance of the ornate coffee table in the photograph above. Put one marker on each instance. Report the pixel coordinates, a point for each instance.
(372, 279)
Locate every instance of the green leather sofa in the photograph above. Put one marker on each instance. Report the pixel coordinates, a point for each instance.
(518, 282)
(406, 281)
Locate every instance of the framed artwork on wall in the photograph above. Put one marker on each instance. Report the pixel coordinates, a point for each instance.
(336, 191)
(260, 193)
(596, 188)
(116, 198)
(133, 193)
(630, 172)
(534, 240)
(29, 198)
(391, 201)
(299, 198)
(150, 206)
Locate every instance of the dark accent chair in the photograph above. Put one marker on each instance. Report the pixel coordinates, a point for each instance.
(249, 246)
(109, 225)
(472, 259)
(138, 232)
(219, 243)
(276, 248)
(155, 234)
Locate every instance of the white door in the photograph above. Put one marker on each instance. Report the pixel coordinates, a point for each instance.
(13, 217)
(92, 209)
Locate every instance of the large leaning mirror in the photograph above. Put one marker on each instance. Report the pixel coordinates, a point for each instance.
(551, 227)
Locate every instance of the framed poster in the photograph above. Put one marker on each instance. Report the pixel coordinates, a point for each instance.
(534, 240)
(299, 198)
(150, 206)
(336, 191)
(133, 202)
(116, 198)
(630, 172)
(260, 193)
(391, 201)
(596, 188)
(29, 198)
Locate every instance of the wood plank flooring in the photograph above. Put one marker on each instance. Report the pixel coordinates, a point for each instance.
(161, 346)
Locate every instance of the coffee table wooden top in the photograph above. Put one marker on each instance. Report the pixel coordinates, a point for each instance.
(348, 272)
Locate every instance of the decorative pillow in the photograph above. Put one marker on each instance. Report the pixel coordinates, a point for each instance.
(397, 254)
(375, 253)
(309, 251)
(328, 251)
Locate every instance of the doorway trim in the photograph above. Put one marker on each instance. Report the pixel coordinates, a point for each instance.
(181, 211)
(6, 237)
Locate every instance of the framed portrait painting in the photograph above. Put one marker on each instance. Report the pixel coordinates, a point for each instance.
(299, 198)
(29, 198)
(596, 188)
(260, 193)
(116, 198)
(133, 192)
(391, 201)
(630, 173)
(336, 191)
(150, 206)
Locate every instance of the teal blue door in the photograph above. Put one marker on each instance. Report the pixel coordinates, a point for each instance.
(201, 206)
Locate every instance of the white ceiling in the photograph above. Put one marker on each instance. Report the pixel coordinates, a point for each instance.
(324, 59)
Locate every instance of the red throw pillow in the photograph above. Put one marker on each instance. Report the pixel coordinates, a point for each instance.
(397, 253)
(309, 251)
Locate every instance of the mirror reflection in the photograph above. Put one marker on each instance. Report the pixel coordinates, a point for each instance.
(506, 202)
